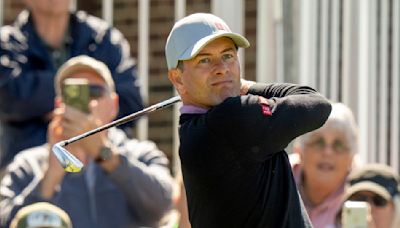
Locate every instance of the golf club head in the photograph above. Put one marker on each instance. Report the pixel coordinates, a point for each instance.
(68, 161)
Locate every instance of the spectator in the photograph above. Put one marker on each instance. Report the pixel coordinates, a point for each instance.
(32, 49)
(41, 214)
(125, 182)
(233, 132)
(181, 203)
(377, 184)
(321, 162)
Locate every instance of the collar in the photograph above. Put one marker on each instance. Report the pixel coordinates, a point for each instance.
(191, 109)
(335, 196)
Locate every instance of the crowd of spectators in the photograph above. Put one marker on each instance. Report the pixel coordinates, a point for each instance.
(132, 186)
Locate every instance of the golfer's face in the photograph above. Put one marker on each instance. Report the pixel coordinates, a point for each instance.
(213, 75)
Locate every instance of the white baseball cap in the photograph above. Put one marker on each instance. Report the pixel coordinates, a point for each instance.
(190, 34)
(83, 63)
(41, 214)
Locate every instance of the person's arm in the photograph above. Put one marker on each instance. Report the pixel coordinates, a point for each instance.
(279, 90)
(266, 122)
(144, 177)
(26, 92)
(20, 185)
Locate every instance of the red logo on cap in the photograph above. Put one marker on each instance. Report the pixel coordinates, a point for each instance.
(219, 26)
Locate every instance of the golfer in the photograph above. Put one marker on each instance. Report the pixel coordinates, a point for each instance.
(233, 132)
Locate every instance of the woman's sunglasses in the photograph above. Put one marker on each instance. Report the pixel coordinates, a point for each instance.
(377, 200)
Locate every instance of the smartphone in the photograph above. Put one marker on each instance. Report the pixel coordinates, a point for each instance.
(75, 93)
(355, 214)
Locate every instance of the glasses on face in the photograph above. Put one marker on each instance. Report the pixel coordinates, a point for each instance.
(338, 145)
(97, 91)
(375, 199)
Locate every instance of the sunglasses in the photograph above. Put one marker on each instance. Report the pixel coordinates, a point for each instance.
(377, 200)
(97, 91)
(338, 145)
(75, 90)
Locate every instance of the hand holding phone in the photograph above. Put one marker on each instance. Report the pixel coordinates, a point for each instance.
(355, 214)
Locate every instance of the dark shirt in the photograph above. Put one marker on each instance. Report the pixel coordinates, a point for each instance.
(235, 169)
(27, 72)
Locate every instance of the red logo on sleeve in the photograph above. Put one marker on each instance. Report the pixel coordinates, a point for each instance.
(266, 110)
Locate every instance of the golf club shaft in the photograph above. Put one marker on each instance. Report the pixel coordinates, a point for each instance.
(124, 119)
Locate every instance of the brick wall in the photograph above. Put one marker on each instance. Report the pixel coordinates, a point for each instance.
(161, 21)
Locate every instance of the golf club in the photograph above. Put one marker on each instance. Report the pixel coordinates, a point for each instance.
(71, 164)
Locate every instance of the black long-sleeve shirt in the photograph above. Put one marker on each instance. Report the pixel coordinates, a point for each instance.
(235, 169)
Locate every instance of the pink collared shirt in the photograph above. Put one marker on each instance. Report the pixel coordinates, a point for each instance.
(191, 109)
(324, 214)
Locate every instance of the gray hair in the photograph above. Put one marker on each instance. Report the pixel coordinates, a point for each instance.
(342, 119)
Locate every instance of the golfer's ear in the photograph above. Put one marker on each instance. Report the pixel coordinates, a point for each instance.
(175, 77)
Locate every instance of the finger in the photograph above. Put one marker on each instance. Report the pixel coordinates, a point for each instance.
(93, 106)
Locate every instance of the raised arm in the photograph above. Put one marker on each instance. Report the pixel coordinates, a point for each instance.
(26, 92)
(21, 184)
(267, 121)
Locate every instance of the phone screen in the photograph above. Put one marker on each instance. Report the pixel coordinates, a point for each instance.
(355, 214)
(75, 93)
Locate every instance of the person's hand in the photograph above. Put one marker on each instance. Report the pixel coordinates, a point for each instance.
(76, 122)
(245, 85)
(102, 116)
(370, 220)
(55, 172)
